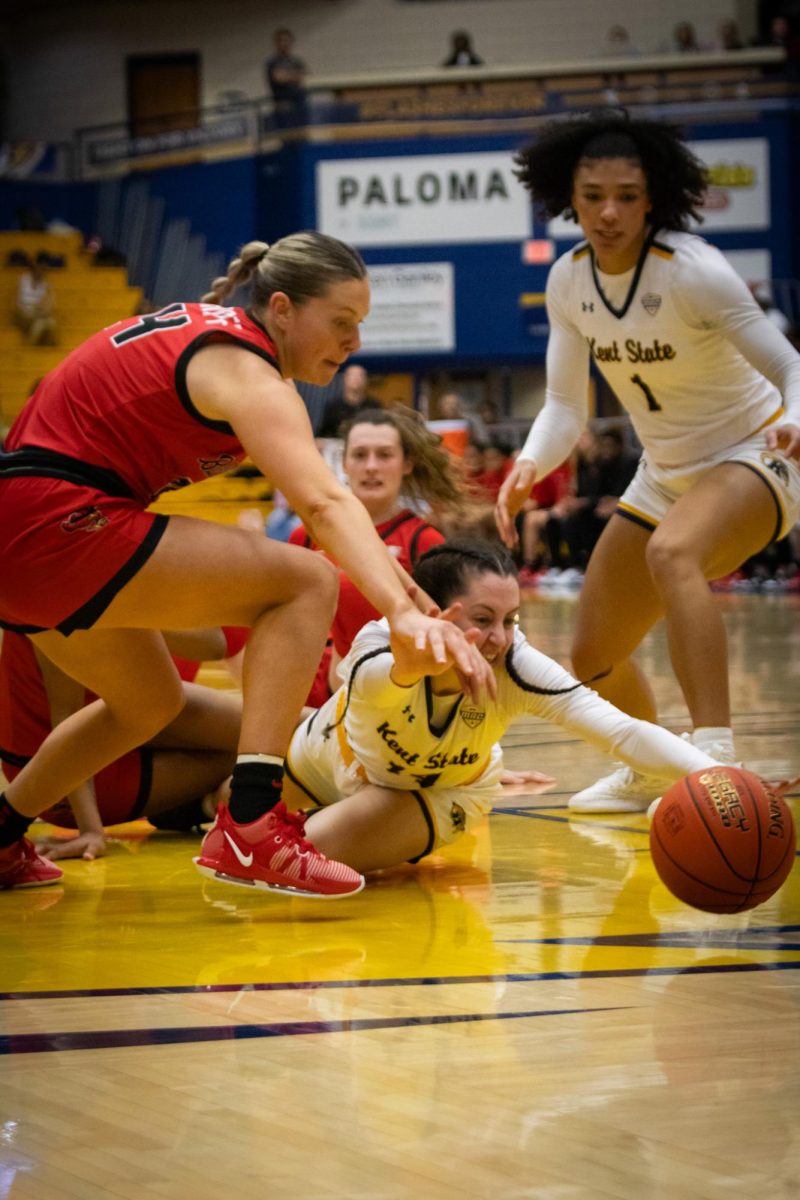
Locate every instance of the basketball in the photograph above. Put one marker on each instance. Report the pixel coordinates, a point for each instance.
(722, 840)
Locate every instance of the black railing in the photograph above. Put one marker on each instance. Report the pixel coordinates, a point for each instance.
(398, 103)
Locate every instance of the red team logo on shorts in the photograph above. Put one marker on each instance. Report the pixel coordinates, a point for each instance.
(217, 464)
(84, 520)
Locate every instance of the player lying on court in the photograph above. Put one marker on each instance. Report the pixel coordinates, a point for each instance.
(151, 404)
(400, 760)
(171, 780)
(712, 389)
(392, 460)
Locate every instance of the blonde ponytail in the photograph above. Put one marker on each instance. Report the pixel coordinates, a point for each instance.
(240, 272)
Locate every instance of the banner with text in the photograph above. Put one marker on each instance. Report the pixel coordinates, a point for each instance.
(422, 199)
(412, 310)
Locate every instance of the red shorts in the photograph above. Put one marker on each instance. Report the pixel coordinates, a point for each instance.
(122, 790)
(320, 688)
(67, 550)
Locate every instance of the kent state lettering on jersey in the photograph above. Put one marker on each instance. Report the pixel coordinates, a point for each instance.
(435, 762)
(635, 352)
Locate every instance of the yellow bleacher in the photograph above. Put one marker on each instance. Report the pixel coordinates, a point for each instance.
(87, 298)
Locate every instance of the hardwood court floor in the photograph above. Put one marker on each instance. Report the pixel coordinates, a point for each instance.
(530, 1015)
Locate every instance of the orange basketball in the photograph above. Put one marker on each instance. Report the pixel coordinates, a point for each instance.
(722, 840)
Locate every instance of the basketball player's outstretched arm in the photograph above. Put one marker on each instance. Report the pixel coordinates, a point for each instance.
(271, 422)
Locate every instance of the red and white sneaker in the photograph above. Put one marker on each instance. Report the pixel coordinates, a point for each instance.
(272, 853)
(21, 866)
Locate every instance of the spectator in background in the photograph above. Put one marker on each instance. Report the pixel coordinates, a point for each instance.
(728, 35)
(783, 34)
(549, 501)
(606, 470)
(496, 465)
(684, 38)
(461, 51)
(34, 310)
(353, 398)
(472, 466)
(450, 407)
(618, 44)
(488, 413)
(286, 74)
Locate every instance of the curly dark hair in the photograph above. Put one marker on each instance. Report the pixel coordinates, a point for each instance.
(676, 180)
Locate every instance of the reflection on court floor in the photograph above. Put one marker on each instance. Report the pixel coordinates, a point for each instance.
(527, 1014)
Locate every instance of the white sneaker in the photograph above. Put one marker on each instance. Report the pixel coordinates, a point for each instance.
(624, 790)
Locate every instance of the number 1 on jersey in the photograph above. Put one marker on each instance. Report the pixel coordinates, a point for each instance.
(652, 403)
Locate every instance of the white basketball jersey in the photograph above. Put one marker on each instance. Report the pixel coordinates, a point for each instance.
(660, 335)
(408, 738)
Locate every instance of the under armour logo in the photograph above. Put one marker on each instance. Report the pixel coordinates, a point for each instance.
(587, 307)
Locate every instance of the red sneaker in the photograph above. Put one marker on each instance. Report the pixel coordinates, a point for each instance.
(21, 866)
(272, 853)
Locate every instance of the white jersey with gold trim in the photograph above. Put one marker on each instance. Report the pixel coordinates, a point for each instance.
(680, 339)
(407, 738)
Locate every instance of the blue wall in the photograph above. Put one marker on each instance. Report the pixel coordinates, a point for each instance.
(267, 196)
(491, 325)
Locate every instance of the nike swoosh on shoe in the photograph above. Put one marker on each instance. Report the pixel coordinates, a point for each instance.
(245, 859)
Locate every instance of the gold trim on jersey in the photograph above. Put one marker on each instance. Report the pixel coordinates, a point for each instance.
(433, 825)
(662, 251)
(779, 412)
(646, 518)
(345, 749)
(581, 252)
(781, 525)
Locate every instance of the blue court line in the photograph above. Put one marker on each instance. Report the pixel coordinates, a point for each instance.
(115, 1039)
(421, 981)
(725, 939)
(551, 813)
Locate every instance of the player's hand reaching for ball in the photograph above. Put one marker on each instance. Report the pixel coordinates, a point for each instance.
(512, 495)
(428, 645)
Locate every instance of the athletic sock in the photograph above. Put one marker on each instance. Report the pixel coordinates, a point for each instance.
(716, 740)
(13, 825)
(255, 786)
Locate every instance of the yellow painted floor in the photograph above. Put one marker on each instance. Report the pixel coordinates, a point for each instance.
(530, 1014)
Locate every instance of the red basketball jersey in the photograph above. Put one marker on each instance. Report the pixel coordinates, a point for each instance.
(120, 400)
(409, 536)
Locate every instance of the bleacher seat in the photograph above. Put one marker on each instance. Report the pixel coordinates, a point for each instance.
(87, 298)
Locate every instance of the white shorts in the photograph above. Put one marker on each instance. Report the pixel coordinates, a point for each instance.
(317, 765)
(654, 489)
